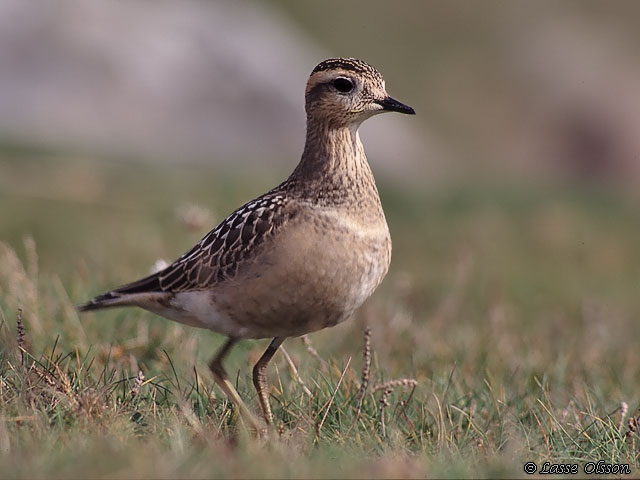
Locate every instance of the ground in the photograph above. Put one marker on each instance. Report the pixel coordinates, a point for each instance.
(514, 310)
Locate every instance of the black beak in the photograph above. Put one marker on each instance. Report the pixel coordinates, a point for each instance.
(392, 105)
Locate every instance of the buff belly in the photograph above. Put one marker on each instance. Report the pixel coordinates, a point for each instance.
(282, 293)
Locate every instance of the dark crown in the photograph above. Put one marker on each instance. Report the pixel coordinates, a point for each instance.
(352, 64)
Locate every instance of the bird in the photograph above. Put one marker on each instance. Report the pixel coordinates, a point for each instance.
(301, 257)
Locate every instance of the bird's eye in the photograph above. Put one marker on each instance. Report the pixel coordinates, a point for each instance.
(343, 85)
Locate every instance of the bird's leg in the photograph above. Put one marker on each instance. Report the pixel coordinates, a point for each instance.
(221, 378)
(260, 378)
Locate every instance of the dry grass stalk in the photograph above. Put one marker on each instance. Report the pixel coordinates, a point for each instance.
(391, 384)
(366, 368)
(22, 346)
(452, 302)
(137, 384)
(324, 417)
(311, 350)
(384, 403)
(387, 388)
(294, 372)
(624, 408)
(632, 426)
(44, 375)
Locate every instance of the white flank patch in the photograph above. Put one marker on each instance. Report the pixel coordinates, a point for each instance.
(198, 310)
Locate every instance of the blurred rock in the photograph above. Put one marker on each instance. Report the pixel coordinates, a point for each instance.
(179, 81)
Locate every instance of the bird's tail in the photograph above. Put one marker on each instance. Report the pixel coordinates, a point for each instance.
(133, 294)
(107, 300)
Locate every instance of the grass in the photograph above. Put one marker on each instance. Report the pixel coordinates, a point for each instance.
(514, 309)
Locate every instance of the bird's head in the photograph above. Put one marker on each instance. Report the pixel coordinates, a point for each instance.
(343, 92)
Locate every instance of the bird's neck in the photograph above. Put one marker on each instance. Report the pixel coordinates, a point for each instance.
(334, 159)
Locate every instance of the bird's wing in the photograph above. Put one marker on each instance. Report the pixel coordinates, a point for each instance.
(218, 255)
(214, 258)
